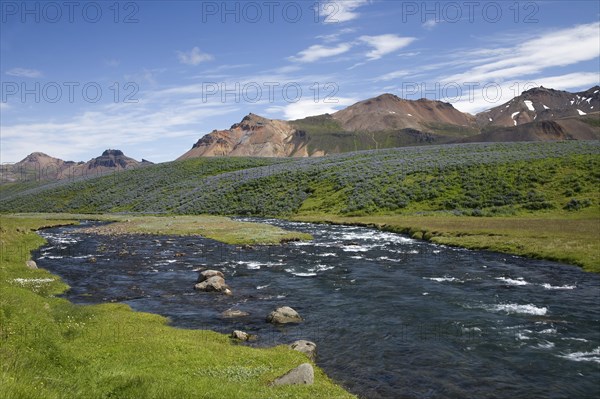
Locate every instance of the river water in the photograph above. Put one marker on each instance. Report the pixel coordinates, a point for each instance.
(392, 317)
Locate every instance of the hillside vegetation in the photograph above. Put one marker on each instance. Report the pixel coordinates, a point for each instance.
(470, 179)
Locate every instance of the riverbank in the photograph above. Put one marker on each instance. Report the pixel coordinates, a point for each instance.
(556, 236)
(51, 348)
(217, 228)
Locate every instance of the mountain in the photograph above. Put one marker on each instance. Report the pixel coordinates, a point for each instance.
(381, 122)
(387, 121)
(541, 104)
(112, 160)
(38, 166)
(389, 112)
(571, 128)
(253, 136)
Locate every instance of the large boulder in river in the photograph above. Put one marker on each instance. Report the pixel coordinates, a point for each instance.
(206, 274)
(306, 347)
(284, 315)
(301, 375)
(213, 284)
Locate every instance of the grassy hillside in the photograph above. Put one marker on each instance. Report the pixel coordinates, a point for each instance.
(474, 179)
(122, 191)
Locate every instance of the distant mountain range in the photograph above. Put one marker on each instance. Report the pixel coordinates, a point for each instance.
(389, 121)
(38, 166)
(386, 121)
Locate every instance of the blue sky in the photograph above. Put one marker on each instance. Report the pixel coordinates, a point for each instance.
(152, 77)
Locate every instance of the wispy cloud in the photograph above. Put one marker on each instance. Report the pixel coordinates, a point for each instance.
(340, 11)
(193, 57)
(24, 73)
(385, 44)
(480, 99)
(317, 52)
(145, 77)
(430, 24)
(555, 49)
(137, 124)
(394, 75)
(334, 37)
(309, 107)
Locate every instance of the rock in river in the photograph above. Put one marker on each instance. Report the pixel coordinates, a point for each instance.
(284, 315)
(206, 274)
(213, 284)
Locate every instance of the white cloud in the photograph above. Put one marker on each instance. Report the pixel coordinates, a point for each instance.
(334, 37)
(385, 44)
(118, 125)
(394, 75)
(429, 24)
(479, 99)
(287, 69)
(555, 49)
(193, 57)
(334, 12)
(145, 77)
(409, 54)
(317, 51)
(24, 73)
(309, 107)
(571, 81)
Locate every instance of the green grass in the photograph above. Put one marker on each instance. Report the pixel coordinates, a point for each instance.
(215, 227)
(559, 236)
(51, 348)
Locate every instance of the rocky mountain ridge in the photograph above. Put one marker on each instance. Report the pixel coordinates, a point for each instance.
(38, 166)
(538, 114)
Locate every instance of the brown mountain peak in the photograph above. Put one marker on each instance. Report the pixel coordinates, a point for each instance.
(251, 121)
(112, 153)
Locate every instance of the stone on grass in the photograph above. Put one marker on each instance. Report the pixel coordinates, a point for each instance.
(31, 264)
(242, 336)
(306, 347)
(301, 375)
(284, 315)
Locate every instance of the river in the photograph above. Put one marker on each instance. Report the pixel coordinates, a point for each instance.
(392, 317)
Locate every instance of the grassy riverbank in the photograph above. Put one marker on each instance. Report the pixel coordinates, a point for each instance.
(218, 228)
(51, 348)
(558, 236)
